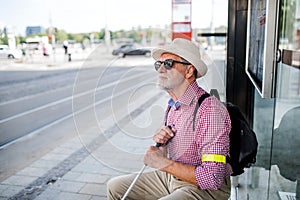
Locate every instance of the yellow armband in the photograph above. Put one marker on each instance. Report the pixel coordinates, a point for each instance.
(213, 158)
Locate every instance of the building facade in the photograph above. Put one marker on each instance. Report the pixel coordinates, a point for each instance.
(34, 30)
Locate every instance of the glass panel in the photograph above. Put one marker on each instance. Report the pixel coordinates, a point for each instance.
(254, 183)
(285, 162)
(257, 177)
(285, 170)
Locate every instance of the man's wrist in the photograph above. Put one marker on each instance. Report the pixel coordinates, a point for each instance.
(168, 165)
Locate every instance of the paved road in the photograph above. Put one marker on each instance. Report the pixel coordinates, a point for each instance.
(43, 117)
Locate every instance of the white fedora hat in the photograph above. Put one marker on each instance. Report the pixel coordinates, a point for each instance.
(185, 49)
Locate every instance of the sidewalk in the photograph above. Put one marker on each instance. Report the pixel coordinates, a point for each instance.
(57, 60)
(80, 168)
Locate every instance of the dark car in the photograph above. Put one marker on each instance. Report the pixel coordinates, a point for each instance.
(129, 49)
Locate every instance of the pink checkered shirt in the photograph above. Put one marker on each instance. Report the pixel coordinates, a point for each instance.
(211, 136)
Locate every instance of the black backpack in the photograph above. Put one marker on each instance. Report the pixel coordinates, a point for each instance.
(243, 142)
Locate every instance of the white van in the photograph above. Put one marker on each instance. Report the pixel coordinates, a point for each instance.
(6, 52)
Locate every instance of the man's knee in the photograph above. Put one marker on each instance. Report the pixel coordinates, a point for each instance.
(113, 188)
(111, 184)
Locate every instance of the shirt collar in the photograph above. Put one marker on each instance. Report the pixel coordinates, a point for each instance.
(174, 104)
(192, 92)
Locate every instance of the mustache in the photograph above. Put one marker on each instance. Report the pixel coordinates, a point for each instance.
(163, 76)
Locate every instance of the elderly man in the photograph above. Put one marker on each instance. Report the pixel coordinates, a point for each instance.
(191, 163)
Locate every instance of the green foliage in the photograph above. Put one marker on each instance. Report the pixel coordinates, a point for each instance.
(75, 37)
(2, 41)
(136, 34)
(21, 39)
(133, 34)
(102, 34)
(149, 33)
(287, 19)
(60, 35)
(3, 37)
(118, 34)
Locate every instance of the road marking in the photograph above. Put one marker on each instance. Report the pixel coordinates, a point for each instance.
(66, 99)
(32, 133)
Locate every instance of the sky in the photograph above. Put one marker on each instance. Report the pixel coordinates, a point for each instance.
(93, 15)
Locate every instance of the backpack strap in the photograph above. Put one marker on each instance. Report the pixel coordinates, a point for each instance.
(208, 157)
(200, 100)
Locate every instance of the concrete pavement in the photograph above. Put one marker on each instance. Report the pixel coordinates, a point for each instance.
(81, 167)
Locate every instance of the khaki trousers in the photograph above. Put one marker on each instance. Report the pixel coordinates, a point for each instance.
(160, 185)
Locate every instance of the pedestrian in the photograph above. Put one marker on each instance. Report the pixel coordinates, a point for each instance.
(65, 46)
(45, 52)
(23, 52)
(190, 163)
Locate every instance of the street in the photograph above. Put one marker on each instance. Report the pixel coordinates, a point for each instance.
(51, 108)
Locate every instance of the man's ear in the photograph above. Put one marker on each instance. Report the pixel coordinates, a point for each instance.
(190, 72)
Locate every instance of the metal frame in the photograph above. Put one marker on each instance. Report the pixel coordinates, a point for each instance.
(265, 84)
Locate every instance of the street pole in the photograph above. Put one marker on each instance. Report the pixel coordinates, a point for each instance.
(212, 25)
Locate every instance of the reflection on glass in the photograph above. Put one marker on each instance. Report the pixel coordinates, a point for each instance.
(277, 123)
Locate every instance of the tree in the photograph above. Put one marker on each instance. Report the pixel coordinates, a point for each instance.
(134, 35)
(3, 37)
(287, 19)
(20, 40)
(61, 35)
(102, 34)
(75, 37)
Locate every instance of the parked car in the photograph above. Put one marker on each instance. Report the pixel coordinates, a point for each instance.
(6, 52)
(130, 49)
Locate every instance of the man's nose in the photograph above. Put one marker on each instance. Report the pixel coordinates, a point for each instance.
(161, 68)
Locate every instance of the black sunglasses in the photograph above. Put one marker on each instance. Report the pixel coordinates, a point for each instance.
(168, 63)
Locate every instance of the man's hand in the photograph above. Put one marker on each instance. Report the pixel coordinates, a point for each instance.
(156, 157)
(164, 134)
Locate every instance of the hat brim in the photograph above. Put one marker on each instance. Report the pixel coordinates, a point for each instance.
(197, 63)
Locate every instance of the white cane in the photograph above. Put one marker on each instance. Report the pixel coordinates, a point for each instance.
(137, 177)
